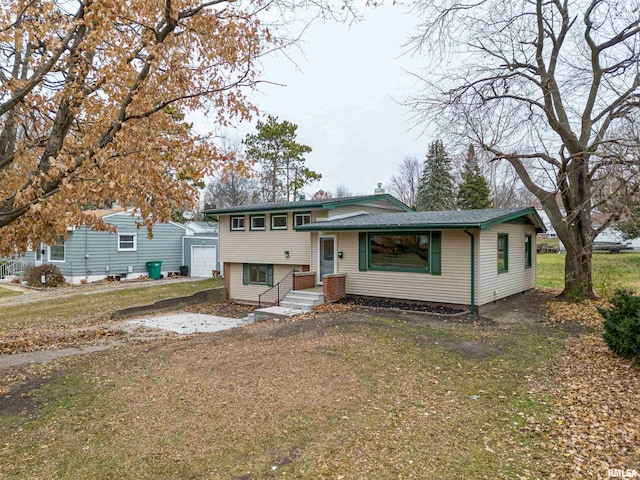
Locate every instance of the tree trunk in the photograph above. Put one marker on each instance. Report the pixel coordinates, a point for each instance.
(578, 281)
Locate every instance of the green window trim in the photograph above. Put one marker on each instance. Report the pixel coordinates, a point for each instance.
(503, 252)
(280, 215)
(257, 217)
(434, 264)
(528, 251)
(302, 215)
(257, 267)
(237, 229)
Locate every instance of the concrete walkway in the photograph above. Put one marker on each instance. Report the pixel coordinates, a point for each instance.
(187, 323)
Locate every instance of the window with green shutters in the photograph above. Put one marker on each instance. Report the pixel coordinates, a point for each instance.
(257, 274)
(419, 252)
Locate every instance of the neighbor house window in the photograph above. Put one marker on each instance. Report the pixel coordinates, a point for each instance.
(127, 242)
(301, 219)
(237, 223)
(56, 251)
(399, 252)
(257, 274)
(528, 251)
(258, 222)
(503, 252)
(278, 222)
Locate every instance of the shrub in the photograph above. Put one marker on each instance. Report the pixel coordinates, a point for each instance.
(53, 277)
(622, 324)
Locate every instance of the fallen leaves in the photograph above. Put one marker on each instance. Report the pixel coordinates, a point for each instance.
(30, 340)
(585, 313)
(597, 424)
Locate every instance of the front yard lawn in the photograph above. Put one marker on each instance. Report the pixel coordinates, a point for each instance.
(348, 395)
(89, 308)
(5, 292)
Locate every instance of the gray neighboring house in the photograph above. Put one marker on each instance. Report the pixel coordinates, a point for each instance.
(87, 255)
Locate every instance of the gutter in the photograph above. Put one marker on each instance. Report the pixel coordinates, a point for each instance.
(473, 270)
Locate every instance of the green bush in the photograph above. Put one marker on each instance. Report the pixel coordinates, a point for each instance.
(53, 277)
(622, 324)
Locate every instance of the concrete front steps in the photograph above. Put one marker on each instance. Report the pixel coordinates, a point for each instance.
(302, 299)
(294, 303)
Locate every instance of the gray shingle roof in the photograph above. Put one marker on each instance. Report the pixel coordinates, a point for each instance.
(306, 204)
(438, 219)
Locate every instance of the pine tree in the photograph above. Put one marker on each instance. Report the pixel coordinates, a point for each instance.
(474, 191)
(436, 190)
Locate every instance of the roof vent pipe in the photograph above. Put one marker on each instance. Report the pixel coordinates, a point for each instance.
(379, 189)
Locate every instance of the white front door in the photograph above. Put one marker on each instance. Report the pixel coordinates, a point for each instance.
(326, 257)
(203, 260)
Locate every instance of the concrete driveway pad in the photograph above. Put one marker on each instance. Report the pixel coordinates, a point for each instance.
(190, 322)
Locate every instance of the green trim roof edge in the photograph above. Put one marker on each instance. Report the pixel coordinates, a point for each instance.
(318, 227)
(326, 203)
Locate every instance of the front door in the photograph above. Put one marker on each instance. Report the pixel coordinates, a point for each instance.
(327, 257)
(38, 257)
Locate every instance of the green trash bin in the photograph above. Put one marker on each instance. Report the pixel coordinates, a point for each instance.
(155, 268)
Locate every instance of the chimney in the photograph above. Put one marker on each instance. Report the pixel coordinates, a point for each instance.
(302, 197)
(379, 189)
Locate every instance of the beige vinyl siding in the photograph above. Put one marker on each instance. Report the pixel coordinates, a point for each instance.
(264, 246)
(518, 278)
(250, 293)
(453, 286)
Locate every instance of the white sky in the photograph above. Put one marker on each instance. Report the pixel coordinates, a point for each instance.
(343, 92)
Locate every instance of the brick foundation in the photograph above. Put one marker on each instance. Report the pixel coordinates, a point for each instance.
(334, 287)
(227, 279)
(302, 280)
(305, 268)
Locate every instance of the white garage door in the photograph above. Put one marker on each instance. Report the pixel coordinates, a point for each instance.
(203, 260)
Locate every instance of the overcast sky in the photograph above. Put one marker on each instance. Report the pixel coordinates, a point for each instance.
(343, 92)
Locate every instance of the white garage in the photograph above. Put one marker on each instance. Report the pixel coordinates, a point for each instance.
(200, 254)
(204, 259)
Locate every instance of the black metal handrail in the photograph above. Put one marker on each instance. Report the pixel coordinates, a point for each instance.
(278, 291)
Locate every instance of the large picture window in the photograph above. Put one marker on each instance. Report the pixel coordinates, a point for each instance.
(503, 252)
(56, 251)
(399, 252)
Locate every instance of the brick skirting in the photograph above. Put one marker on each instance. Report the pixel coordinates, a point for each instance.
(302, 280)
(334, 287)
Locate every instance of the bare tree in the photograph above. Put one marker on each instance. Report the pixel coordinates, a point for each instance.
(235, 183)
(404, 184)
(547, 86)
(343, 191)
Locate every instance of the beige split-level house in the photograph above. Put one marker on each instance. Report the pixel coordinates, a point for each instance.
(377, 246)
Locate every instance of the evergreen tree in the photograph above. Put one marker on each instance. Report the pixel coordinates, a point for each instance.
(281, 159)
(436, 190)
(474, 191)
